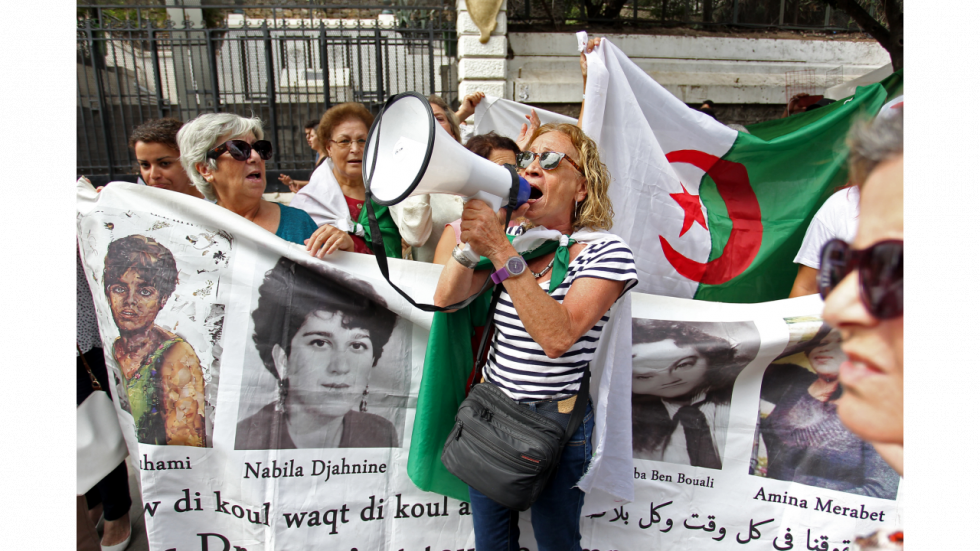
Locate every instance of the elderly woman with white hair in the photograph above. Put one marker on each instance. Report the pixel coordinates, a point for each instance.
(225, 155)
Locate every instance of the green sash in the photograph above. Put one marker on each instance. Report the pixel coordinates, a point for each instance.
(389, 231)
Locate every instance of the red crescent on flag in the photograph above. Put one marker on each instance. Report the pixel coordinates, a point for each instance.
(743, 208)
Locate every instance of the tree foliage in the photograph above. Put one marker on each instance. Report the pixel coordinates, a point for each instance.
(891, 37)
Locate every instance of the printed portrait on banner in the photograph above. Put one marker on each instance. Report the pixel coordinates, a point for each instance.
(799, 437)
(157, 313)
(683, 376)
(331, 368)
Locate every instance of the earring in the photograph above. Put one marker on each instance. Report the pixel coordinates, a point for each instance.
(283, 392)
(578, 210)
(364, 400)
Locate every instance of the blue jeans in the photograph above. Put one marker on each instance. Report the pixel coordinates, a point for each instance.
(556, 514)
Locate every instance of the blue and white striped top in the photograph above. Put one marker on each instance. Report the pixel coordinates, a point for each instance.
(519, 366)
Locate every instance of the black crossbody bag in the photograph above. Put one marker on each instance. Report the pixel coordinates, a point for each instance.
(503, 449)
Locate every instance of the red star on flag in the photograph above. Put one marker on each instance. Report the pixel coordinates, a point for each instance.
(692, 210)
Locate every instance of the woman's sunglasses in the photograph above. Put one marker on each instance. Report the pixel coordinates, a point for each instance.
(879, 274)
(548, 160)
(240, 150)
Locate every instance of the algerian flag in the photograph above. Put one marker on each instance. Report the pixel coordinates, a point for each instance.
(709, 212)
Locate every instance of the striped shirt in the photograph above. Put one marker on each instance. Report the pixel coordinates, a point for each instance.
(518, 365)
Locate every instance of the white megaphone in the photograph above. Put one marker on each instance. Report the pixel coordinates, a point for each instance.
(407, 155)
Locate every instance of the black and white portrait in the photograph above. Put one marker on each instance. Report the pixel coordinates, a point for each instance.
(331, 362)
(683, 374)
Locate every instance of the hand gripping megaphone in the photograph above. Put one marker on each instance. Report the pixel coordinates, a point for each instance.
(407, 155)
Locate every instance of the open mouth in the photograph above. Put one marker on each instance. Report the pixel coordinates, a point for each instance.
(255, 176)
(535, 194)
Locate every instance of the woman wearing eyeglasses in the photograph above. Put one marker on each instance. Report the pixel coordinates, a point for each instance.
(225, 156)
(551, 312)
(335, 195)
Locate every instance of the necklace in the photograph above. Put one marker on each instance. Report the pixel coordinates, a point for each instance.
(545, 270)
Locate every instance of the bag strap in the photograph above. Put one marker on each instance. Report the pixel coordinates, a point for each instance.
(488, 328)
(96, 385)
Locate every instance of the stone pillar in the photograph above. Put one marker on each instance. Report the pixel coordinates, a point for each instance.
(482, 67)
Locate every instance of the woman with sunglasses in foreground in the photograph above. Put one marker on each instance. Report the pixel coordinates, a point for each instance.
(225, 156)
(862, 284)
(550, 314)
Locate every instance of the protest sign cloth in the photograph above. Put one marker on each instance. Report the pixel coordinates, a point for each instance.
(190, 299)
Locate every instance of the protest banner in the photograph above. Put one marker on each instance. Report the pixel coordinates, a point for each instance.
(269, 398)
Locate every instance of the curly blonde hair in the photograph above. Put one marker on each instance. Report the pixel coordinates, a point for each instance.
(596, 211)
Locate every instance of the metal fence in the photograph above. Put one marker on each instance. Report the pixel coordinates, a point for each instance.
(769, 14)
(287, 70)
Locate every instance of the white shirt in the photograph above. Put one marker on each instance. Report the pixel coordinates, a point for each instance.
(323, 200)
(421, 220)
(836, 219)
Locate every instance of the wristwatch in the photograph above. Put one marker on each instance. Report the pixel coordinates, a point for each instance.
(514, 266)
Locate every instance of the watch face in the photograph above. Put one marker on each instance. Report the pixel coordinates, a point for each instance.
(515, 265)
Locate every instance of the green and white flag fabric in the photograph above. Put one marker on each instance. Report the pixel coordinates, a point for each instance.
(712, 213)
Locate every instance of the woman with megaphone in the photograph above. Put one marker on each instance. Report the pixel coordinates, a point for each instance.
(549, 316)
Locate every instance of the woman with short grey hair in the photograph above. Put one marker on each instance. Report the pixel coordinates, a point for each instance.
(225, 155)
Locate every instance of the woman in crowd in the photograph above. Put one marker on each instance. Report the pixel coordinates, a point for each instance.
(499, 149)
(546, 327)
(805, 439)
(320, 341)
(865, 302)
(225, 156)
(164, 380)
(155, 145)
(335, 195)
(682, 392)
(863, 288)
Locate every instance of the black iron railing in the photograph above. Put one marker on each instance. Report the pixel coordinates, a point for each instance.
(707, 14)
(285, 64)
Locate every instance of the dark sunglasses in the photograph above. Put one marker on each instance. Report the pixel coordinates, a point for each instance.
(880, 276)
(240, 150)
(548, 160)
